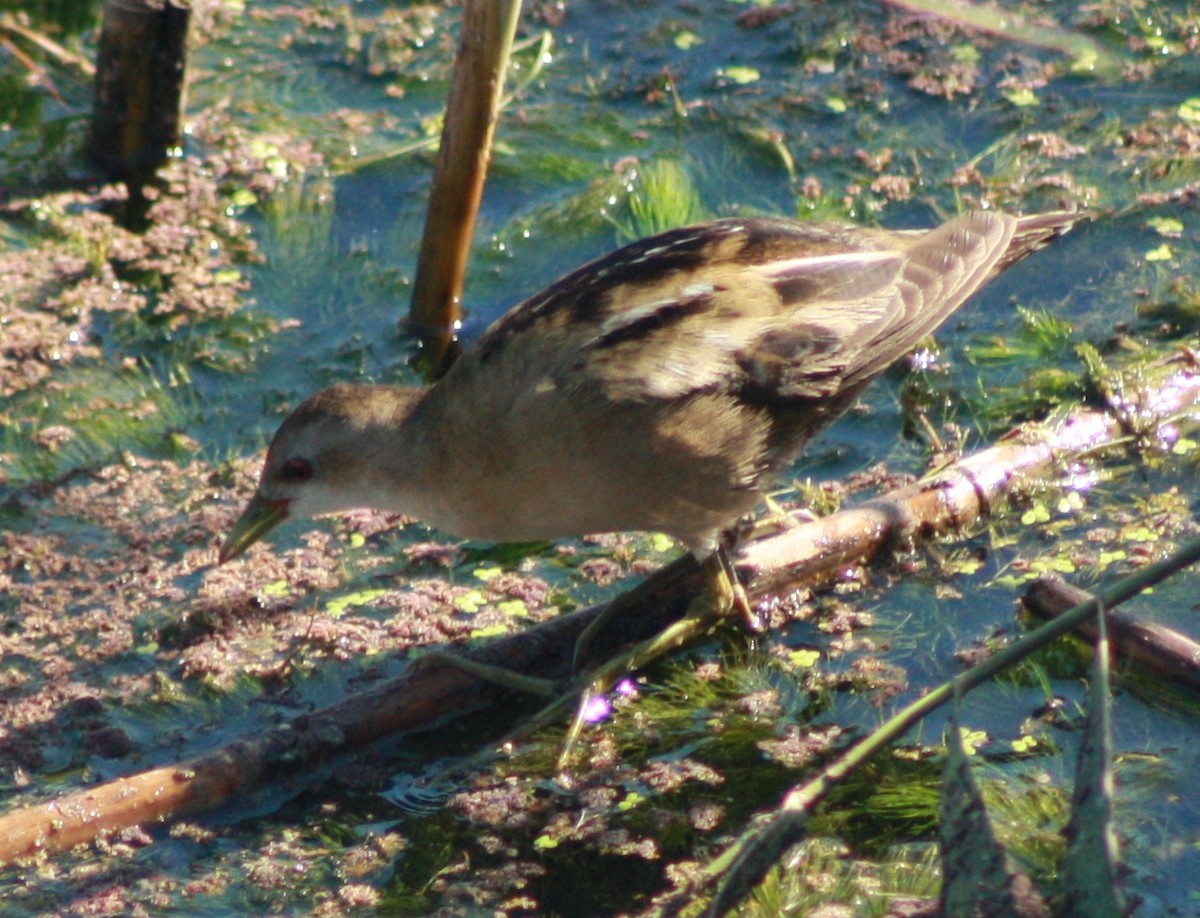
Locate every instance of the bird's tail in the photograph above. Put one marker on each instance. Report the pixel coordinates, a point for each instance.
(1036, 231)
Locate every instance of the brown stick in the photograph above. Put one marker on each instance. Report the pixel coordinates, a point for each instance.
(488, 28)
(1150, 647)
(427, 695)
(423, 696)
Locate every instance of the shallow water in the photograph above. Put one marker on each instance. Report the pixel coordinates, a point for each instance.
(833, 109)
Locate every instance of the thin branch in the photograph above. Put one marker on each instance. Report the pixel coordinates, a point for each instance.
(12, 24)
(1152, 648)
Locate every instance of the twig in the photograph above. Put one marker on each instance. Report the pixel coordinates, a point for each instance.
(9, 23)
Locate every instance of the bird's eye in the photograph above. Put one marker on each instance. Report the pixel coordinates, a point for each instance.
(296, 470)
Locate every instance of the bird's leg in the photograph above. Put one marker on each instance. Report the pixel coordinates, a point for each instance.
(610, 613)
(722, 593)
(774, 521)
(723, 597)
(599, 680)
(497, 675)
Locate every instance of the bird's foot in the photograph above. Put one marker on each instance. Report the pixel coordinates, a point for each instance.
(779, 519)
(613, 611)
(724, 596)
(775, 521)
(596, 682)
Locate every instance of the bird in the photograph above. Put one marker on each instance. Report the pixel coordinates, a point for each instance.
(658, 388)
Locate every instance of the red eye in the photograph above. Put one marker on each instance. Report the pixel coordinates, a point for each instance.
(296, 470)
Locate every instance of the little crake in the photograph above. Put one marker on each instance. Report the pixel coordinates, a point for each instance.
(658, 388)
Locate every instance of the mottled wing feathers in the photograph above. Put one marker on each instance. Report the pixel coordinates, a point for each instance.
(579, 296)
(750, 314)
(823, 302)
(771, 308)
(942, 268)
(784, 311)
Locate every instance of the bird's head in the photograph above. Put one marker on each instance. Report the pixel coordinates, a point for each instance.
(322, 459)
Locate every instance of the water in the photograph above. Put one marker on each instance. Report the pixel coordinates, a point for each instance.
(808, 112)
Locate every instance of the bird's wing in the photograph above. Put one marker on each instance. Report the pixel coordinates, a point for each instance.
(779, 325)
(790, 310)
(875, 307)
(764, 303)
(942, 268)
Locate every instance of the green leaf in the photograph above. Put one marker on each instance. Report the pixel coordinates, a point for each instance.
(965, 54)
(632, 799)
(739, 74)
(278, 588)
(1022, 98)
(1111, 557)
(1071, 502)
(243, 197)
(1189, 110)
(490, 632)
(1166, 226)
(1038, 513)
(471, 601)
(662, 543)
(806, 659)
(514, 608)
(337, 607)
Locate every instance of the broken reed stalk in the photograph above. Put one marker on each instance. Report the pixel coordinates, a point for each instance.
(140, 68)
(488, 27)
(427, 695)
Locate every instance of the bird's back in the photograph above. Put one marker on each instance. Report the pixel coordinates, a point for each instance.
(677, 371)
(734, 300)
